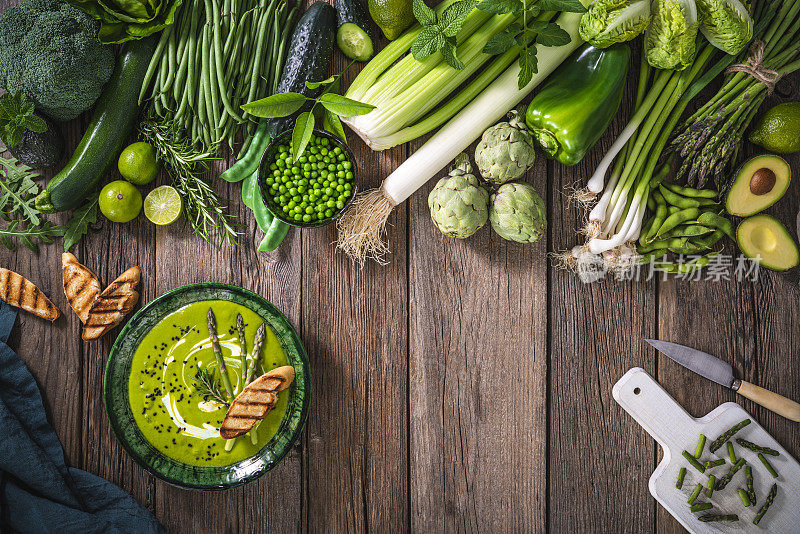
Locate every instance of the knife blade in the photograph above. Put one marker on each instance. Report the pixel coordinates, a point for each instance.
(700, 362)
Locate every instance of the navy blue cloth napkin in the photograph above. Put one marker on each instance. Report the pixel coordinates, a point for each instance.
(38, 492)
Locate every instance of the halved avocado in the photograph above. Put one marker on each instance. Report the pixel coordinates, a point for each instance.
(763, 238)
(760, 183)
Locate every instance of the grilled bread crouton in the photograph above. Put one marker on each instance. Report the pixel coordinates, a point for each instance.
(112, 305)
(18, 291)
(255, 402)
(81, 286)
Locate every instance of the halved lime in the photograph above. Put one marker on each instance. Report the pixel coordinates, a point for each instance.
(163, 205)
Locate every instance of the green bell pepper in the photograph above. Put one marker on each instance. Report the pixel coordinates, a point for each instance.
(578, 102)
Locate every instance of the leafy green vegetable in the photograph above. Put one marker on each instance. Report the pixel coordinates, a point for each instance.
(439, 31)
(16, 116)
(726, 24)
(614, 21)
(78, 225)
(125, 20)
(49, 51)
(670, 38)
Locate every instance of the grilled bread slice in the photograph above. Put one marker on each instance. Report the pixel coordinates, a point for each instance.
(22, 293)
(112, 305)
(80, 285)
(255, 401)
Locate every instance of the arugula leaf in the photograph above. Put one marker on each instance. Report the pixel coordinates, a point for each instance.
(550, 34)
(528, 65)
(18, 190)
(277, 105)
(425, 15)
(500, 7)
(571, 6)
(303, 128)
(499, 43)
(78, 225)
(29, 235)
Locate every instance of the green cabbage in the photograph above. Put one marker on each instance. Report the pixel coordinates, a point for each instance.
(669, 42)
(614, 21)
(123, 20)
(726, 24)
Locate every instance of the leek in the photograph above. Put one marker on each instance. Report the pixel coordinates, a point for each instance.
(362, 227)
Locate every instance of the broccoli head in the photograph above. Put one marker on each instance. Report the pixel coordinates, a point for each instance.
(49, 51)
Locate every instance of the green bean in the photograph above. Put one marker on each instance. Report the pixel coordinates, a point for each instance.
(154, 62)
(172, 62)
(677, 218)
(690, 192)
(220, 71)
(259, 53)
(677, 200)
(283, 50)
(191, 73)
(695, 494)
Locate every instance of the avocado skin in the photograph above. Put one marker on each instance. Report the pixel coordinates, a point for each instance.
(741, 201)
(40, 150)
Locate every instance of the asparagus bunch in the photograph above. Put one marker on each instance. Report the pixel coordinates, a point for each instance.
(710, 139)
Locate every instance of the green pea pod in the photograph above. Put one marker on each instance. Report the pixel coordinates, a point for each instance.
(718, 222)
(689, 266)
(678, 200)
(574, 108)
(277, 231)
(689, 230)
(659, 177)
(707, 202)
(676, 219)
(658, 220)
(651, 203)
(658, 197)
(706, 243)
(273, 228)
(248, 163)
(646, 227)
(690, 192)
(673, 209)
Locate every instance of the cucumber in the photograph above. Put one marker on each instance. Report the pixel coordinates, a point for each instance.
(113, 120)
(308, 58)
(354, 35)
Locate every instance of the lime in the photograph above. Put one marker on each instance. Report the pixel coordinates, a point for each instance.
(120, 201)
(163, 205)
(778, 130)
(391, 16)
(138, 164)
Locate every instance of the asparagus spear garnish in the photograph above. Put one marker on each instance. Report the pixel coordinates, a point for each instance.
(714, 463)
(722, 482)
(692, 460)
(744, 496)
(242, 346)
(699, 507)
(258, 343)
(757, 448)
(695, 494)
(223, 370)
(710, 487)
(768, 465)
(710, 518)
(751, 493)
(698, 451)
(720, 441)
(770, 497)
(731, 453)
(681, 476)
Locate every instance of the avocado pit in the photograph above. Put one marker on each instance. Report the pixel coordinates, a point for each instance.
(763, 181)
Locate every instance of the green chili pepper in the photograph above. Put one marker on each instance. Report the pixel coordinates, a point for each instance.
(678, 200)
(576, 105)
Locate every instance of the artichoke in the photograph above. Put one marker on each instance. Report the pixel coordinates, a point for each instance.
(458, 203)
(518, 213)
(505, 151)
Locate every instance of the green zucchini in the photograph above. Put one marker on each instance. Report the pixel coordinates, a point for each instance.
(308, 58)
(354, 35)
(112, 122)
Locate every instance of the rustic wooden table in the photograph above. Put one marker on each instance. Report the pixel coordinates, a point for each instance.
(464, 386)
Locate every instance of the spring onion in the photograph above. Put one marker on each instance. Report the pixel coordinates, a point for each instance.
(361, 228)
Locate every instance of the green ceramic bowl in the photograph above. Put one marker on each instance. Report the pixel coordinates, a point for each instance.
(115, 391)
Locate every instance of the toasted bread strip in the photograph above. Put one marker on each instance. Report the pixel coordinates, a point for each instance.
(18, 291)
(81, 286)
(112, 305)
(255, 402)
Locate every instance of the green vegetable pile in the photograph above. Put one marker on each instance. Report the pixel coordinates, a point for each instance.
(747, 493)
(49, 51)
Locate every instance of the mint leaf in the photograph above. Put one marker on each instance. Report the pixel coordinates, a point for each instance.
(499, 43)
(343, 106)
(277, 105)
(572, 6)
(500, 7)
(551, 34)
(303, 128)
(425, 15)
(453, 17)
(429, 41)
(449, 56)
(528, 65)
(78, 225)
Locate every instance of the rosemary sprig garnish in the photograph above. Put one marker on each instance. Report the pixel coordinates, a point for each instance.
(208, 386)
(203, 208)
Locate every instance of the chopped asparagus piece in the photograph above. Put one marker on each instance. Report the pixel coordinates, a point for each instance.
(731, 453)
(720, 441)
(768, 465)
(714, 463)
(695, 494)
(770, 497)
(757, 448)
(744, 496)
(722, 482)
(699, 507)
(748, 471)
(710, 486)
(681, 476)
(701, 443)
(692, 460)
(710, 518)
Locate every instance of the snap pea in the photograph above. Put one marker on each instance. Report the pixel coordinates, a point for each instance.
(691, 192)
(677, 200)
(676, 219)
(248, 164)
(718, 222)
(277, 231)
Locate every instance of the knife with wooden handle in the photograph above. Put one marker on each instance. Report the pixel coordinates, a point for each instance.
(716, 370)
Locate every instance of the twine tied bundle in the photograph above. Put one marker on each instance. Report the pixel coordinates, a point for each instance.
(754, 66)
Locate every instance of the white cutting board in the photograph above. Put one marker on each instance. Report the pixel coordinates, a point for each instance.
(675, 430)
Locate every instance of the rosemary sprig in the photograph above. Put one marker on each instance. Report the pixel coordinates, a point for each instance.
(208, 386)
(203, 208)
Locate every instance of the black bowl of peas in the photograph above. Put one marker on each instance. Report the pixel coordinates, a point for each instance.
(314, 190)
